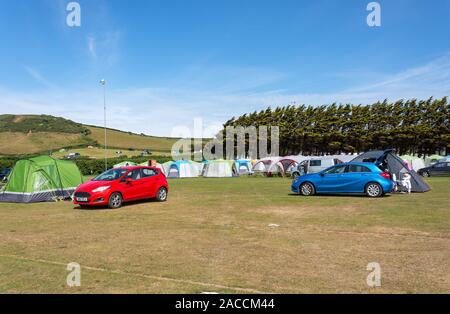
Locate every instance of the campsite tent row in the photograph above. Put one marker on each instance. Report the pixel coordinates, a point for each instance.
(191, 169)
(285, 165)
(45, 178)
(231, 168)
(208, 169)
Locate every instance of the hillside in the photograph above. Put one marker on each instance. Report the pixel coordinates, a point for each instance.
(31, 134)
(39, 123)
(120, 139)
(18, 143)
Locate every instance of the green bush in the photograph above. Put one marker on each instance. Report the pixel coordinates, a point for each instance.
(8, 162)
(95, 166)
(88, 166)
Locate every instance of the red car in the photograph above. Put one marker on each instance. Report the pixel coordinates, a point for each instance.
(124, 184)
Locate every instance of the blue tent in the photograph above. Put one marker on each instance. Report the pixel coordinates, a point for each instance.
(243, 166)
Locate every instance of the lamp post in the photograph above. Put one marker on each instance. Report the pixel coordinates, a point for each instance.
(103, 83)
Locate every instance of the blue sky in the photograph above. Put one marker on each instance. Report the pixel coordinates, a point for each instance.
(168, 62)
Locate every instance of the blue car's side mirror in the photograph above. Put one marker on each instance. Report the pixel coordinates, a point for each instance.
(322, 174)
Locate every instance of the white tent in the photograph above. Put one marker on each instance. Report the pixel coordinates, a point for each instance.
(431, 160)
(344, 157)
(266, 165)
(220, 169)
(288, 164)
(414, 162)
(160, 167)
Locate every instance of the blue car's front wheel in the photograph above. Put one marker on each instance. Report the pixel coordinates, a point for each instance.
(307, 189)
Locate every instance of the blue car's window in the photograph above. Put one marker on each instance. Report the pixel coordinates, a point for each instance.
(337, 169)
(358, 168)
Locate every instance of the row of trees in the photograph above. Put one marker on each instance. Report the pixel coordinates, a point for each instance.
(410, 126)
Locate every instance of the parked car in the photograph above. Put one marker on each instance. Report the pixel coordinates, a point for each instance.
(314, 165)
(4, 173)
(72, 156)
(122, 184)
(352, 177)
(438, 169)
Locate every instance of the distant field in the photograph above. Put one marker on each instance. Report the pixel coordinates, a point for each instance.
(126, 140)
(99, 153)
(214, 235)
(12, 143)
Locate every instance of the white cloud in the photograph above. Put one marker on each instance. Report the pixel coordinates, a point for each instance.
(104, 48)
(91, 46)
(157, 111)
(38, 77)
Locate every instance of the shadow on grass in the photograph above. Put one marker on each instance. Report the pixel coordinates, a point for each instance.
(124, 205)
(339, 195)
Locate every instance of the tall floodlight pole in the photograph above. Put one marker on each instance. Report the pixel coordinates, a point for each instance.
(103, 83)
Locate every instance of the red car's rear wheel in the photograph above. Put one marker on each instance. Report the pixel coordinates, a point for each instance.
(161, 195)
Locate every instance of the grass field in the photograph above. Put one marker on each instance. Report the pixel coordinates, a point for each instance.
(213, 235)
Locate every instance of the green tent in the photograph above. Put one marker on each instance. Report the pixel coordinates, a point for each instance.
(41, 179)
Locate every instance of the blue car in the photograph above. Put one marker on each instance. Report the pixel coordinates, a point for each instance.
(351, 177)
(4, 173)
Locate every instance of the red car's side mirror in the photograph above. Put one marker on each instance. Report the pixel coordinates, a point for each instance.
(126, 180)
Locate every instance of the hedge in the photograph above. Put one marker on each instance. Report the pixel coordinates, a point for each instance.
(89, 166)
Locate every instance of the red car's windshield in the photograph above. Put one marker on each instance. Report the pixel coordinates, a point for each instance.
(110, 175)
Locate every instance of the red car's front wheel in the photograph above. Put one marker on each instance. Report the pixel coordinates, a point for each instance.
(115, 200)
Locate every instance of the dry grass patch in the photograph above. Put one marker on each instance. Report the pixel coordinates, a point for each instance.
(17, 143)
(215, 232)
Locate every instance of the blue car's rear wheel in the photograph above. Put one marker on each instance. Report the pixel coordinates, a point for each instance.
(307, 189)
(373, 189)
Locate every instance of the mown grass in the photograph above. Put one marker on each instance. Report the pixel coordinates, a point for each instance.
(214, 235)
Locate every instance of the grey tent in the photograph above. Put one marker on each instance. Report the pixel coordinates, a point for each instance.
(387, 159)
